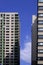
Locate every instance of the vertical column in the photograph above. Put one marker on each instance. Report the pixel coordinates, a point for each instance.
(2, 42)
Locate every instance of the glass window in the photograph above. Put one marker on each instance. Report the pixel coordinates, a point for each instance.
(7, 45)
(40, 0)
(40, 58)
(40, 22)
(40, 50)
(12, 23)
(16, 28)
(40, 36)
(12, 17)
(7, 39)
(7, 53)
(12, 28)
(16, 14)
(7, 20)
(40, 29)
(12, 45)
(11, 42)
(16, 17)
(11, 39)
(40, 14)
(7, 17)
(7, 28)
(11, 53)
(7, 31)
(7, 42)
(12, 31)
(12, 20)
(40, 43)
(7, 23)
(40, 7)
(1, 15)
(7, 50)
(7, 34)
(11, 48)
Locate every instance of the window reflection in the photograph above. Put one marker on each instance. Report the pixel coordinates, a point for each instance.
(40, 43)
(40, 0)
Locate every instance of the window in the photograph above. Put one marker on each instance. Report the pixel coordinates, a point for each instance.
(12, 34)
(7, 34)
(12, 23)
(40, 43)
(40, 22)
(16, 21)
(40, 29)
(12, 17)
(1, 15)
(11, 48)
(12, 20)
(40, 36)
(40, 0)
(7, 31)
(40, 7)
(40, 14)
(7, 50)
(7, 54)
(16, 14)
(11, 53)
(7, 28)
(12, 31)
(11, 56)
(7, 39)
(4, 23)
(12, 28)
(12, 45)
(7, 23)
(16, 28)
(7, 45)
(7, 17)
(40, 58)
(16, 25)
(7, 42)
(7, 20)
(16, 17)
(11, 39)
(40, 50)
(7, 62)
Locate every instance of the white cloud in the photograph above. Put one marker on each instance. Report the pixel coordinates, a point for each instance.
(25, 54)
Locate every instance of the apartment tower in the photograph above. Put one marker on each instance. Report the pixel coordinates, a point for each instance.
(9, 38)
(37, 37)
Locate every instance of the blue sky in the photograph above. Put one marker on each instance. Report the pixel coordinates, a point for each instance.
(25, 8)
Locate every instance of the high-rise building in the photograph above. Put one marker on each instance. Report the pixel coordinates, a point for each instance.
(37, 41)
(9, 38)
(34, 39)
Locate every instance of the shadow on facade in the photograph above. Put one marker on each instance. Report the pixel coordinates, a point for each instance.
(10, 59)
(34, 43)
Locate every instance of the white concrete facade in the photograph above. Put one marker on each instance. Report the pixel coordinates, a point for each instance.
(10, 23)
